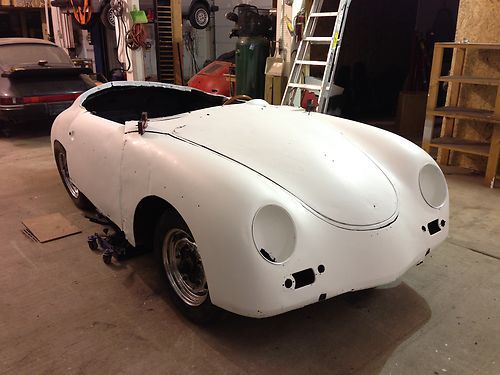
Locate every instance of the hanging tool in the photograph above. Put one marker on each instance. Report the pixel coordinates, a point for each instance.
(82, 11)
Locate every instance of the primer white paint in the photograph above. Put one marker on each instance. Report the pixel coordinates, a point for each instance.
(350, 190)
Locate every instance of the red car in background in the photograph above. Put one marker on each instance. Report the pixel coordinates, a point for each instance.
(214, 78)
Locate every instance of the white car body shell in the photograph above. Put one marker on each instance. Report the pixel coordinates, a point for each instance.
(351, 190)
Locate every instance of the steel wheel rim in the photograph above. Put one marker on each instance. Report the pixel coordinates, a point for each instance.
(183, 267)
(63, 165)
(201, 17)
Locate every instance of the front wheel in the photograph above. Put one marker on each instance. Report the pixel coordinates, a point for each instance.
(76, 195)
(187, 284)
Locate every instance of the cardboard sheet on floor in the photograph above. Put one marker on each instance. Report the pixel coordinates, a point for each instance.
(49, 227)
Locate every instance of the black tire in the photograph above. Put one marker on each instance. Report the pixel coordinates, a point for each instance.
(199, 309)
(106, 258)
(108, 17)
(92, 245)
(199, 16)
(76, 195)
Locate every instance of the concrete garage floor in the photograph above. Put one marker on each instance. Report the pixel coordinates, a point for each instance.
(63, 311)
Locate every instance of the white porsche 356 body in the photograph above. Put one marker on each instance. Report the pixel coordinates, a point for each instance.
(254, 208)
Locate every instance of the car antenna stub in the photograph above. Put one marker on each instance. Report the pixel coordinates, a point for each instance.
(143, 123)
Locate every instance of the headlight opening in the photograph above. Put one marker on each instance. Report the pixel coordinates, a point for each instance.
(273, 232)
(433, 185)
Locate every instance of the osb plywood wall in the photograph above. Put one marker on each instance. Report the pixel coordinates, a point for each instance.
(479, 22)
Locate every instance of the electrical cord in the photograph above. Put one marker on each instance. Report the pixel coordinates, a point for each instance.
(117, 6)
(122, 26)
(126, 49)
(189, 42)
(136, 37)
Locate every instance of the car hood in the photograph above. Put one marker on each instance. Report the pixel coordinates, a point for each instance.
(304, 154)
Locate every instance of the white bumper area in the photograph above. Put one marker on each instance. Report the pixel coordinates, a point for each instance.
(329, 261)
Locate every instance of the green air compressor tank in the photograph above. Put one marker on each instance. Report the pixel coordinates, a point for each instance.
(251, 54)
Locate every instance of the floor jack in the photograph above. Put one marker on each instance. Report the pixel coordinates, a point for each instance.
(112, 243)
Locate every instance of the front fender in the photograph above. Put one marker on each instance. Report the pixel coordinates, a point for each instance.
(215, 196)
(395, 154)
(400, 159)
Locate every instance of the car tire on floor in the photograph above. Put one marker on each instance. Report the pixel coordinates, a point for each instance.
(186, 283)
(74, 193)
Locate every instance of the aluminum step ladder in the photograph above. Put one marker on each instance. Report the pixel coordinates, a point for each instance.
(295, 84)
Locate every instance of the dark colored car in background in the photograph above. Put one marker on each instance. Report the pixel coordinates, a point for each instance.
(37, 82)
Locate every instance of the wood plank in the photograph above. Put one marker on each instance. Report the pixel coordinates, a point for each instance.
(461, 144)
(492, 166)
(497, 103)
(491, 46)
(471, 80)
(459, 141)
(467, 113)
(482, 150)
(437, 61)
(177, 40)
(452, 95)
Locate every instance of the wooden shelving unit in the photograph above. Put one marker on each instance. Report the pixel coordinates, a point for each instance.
(447, 143)
(169, 41)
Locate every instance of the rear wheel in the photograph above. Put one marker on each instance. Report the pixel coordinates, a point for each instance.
(187, 284)
(76, 195)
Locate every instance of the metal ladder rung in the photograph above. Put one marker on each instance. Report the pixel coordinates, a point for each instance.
(318, 39)
(324, 14)
(306, 86)
(310, 62)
